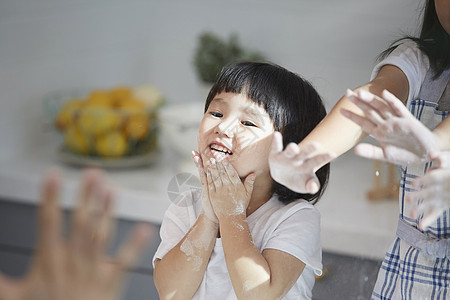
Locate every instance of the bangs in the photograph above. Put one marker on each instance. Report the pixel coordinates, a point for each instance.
(255, 82)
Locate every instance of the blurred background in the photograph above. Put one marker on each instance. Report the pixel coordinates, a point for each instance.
(50, 45)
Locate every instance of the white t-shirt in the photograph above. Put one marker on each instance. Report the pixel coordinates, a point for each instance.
(413, 62)
(293, 228)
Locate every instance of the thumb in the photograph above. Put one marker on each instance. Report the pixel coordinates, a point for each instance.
(248, 183)
(369, 151)
(313, 185)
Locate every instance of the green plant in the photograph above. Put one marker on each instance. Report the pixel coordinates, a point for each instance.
(213, 53)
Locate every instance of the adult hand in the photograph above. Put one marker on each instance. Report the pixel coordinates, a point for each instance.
(294, 167)
(403, 139)
(228, 195)
(433, 191)
(207, 209)
(76, 267)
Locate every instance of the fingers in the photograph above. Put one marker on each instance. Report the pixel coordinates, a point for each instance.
(89, 213)
(369, 151)
(313, 185)
(101, 230)
(398, 108)
(312, 163)
(133, 248)
(277, 143)
(49, 212)
(248, 183)
(231, 172)
(373, 107)
(201, 170)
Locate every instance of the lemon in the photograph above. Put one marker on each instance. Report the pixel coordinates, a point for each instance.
(120, 94)
(75, 140)
(112, 144)
(97, 120)
(137, 125)
(100, 98)
(67, 113)
(150, 95)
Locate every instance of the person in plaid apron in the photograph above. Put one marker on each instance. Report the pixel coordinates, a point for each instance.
(416, 71)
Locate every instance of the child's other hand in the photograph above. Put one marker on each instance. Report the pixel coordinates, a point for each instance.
(433, 191)
(76, 267)
(403, 139)
(206, 203)
(294, 167)
(228, 195)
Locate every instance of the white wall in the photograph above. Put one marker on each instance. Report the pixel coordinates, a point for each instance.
(48, 45)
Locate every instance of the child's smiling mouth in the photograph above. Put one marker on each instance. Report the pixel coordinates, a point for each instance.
(220, 149)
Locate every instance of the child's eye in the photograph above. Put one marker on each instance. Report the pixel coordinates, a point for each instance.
(248, 123)
(216, 114)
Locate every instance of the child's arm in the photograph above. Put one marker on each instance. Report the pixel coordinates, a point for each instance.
(179, 273)
(254, 275)
(335, 134)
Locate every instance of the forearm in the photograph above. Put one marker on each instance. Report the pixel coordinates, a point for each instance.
(248, 269)
(442, 134)
(179, 273)
(338, 134)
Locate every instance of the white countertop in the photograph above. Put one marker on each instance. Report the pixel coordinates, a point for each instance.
(350, 223)
(141, 193)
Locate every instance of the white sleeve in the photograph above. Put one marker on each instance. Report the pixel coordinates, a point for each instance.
(177, 221)
(299, 235)
(412, 61)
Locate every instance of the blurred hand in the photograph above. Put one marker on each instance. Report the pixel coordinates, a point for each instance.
(403, 139)
(433, 190)
(76, 267)
(295, 167)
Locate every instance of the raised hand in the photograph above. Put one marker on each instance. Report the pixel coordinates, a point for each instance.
(206, 204)
(433, 191)
(295, 167)
(76, 267)
(228, 195)
(403, 139)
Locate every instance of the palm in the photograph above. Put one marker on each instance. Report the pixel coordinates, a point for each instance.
(295, 167)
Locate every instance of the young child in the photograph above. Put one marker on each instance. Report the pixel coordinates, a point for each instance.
(417, 72)
(244, 236)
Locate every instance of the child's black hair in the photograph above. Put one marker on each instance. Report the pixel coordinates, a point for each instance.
(292, 103)
(433, 40)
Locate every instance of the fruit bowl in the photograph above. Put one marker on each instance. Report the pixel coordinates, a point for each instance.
(118, 123)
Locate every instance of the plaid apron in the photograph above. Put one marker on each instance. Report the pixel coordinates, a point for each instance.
(408, 272)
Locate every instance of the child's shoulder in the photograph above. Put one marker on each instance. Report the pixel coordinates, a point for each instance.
(275, 209)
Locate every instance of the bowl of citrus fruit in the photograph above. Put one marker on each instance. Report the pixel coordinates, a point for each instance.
(108, 127)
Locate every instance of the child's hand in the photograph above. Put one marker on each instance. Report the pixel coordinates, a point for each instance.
(295, 167)
(433, 190)
(76, 268)
(228, 195)
(402, 137)
(206, 204)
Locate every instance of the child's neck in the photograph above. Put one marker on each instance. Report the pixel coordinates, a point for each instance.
(262, 192)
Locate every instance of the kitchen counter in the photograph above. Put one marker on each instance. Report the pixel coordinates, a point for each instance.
(141, 193)
(350, 224)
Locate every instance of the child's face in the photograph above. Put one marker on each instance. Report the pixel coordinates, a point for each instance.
(237, 129)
